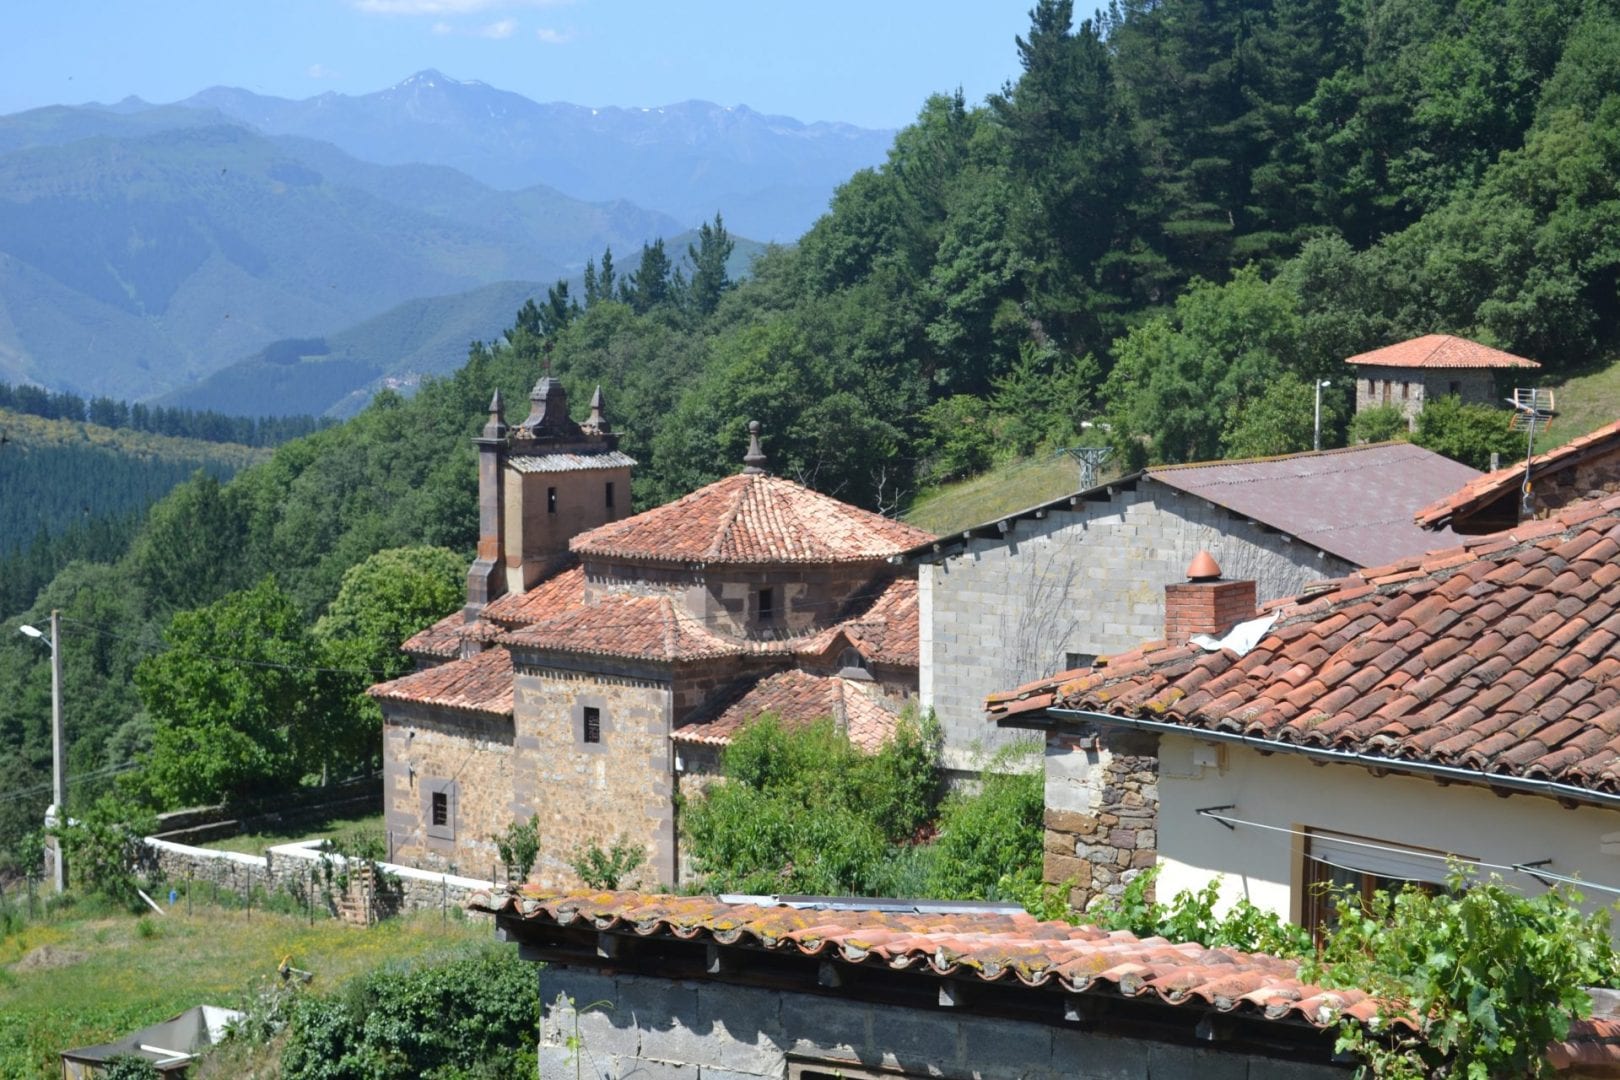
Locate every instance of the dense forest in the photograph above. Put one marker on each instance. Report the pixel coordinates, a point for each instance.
(204, 424)
(1170, 224)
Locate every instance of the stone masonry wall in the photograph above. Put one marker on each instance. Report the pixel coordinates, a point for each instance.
(1410, 388)
(1597, 476)
(425, 749)
(1088, 581)
(1102, 812)
(611, 1027)
(592, 793)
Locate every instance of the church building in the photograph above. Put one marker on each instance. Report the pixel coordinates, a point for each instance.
(603, 660)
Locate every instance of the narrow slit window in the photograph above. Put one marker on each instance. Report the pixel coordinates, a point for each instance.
(767, 605)
(610, 494)
(551, 500)
(593, 724)
(441, 809)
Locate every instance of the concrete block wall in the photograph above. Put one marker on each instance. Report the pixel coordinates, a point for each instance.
(613, 1027)
(1088, 581)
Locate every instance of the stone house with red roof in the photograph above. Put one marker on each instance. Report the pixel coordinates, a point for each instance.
(602, 659)
(1410, 373)
(1461, 704)
(1053, 586)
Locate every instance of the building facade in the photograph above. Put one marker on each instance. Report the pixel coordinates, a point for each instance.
(1411, 373)
(603, 660)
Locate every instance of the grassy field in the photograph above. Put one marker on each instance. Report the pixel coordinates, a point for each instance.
(1585, 403)
(81, 977)
(315, 829)
(1002, 490)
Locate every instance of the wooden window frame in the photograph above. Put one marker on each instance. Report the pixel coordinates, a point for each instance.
(1316, 877)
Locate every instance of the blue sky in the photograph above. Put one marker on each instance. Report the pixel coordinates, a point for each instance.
(868, 62)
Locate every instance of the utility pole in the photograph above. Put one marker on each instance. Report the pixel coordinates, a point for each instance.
(57, 813)
(1316, 437)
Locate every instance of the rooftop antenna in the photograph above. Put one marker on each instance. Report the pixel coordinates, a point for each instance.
(1091, 458)
(1531, 408)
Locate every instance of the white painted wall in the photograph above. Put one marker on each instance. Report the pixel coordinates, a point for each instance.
(1288, 791)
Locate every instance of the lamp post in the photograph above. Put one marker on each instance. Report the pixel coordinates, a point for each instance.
(58, 811)
(1316, 436)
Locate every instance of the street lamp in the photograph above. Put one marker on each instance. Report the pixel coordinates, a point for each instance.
(1316, 436)
(58, 810)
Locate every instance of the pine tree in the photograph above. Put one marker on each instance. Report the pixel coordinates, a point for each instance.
(708, 258)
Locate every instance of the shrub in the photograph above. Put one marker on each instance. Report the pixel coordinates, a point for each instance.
(103, 848)
(804, 811)
(1381, 423)
(519, 846)
(1468, 433)
(130, 1067)
(1190, 916)
(600, 869)
(992, 834)
(474, 1016)
(1492, 976)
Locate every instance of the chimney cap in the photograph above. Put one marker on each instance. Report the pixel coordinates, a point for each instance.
(1204, 568)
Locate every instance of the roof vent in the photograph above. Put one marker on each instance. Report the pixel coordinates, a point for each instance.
(1204, 568)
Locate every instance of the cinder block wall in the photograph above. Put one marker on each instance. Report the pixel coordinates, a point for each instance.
(610, 1027)
(1089, 581)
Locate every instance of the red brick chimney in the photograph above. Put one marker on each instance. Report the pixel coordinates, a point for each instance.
(1204, 604)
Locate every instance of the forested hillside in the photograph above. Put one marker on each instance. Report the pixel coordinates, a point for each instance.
(1171, 223)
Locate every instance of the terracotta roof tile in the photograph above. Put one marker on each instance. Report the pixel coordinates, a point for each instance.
(563, 591)
(884, 628)
(1367, 521)
(988, 946)
(442, 640)
(797, 698)
(1496, 655)
(1484, 490)
(481, 684)
(752, 518)
(1441, 351)
(633, 627)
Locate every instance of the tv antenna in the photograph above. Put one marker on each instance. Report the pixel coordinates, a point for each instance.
(1091, 458)
(1532, 409)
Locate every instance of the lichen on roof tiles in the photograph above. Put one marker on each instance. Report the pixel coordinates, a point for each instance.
(797, 698)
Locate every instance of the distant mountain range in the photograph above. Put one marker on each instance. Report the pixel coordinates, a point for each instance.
(145, 247)
(770, 175)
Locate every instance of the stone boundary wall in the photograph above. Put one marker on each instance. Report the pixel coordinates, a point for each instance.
(1102, 813)
(291, 868)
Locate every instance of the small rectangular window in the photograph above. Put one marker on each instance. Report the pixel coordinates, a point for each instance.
(1406, 391)
(551, 500)
(1072, 660)
(610, 494)
(1455, 387)
(767, 605)
(441, 809)
(593, 724)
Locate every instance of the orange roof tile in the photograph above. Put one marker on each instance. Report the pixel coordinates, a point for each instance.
(798, 698)
(1487, 489)
(441, 640)
(1441, 351)
(993, 947)
(633, 627)
(885, 628)
(482, 684)
(563, 591)
(1500, 656)
(752, 519)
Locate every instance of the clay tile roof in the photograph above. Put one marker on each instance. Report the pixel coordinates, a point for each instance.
(1500, 656)
(1441, 351)
(1484, 490)
(480, 684)
(752, 519)
(442, 640)
(632, 627)
(798, 698)
(885, 630)
(563, 591)
(1374, 491)
(989, 946)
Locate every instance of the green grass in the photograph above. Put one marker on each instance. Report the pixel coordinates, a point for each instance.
(89, 974)
(310, 829)
(1585, 403)
(1004, 489)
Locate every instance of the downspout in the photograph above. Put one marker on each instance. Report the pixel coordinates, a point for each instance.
(1454, 773)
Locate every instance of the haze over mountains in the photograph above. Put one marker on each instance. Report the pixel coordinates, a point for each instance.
(143, 247)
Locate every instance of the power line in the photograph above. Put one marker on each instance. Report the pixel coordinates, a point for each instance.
(22, 793)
